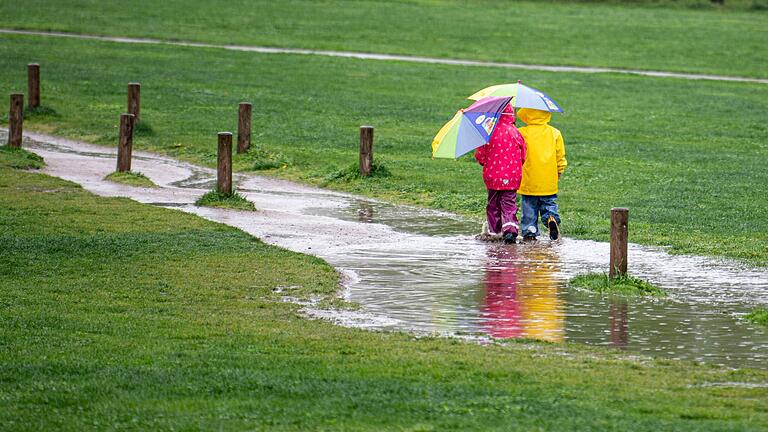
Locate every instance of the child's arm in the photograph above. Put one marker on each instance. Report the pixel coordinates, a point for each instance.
(481, 153)
(560, 153)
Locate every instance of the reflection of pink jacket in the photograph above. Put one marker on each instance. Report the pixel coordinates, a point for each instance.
(502, 310)
(502, 158)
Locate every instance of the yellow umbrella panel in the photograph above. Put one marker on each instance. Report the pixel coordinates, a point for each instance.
(448, 133)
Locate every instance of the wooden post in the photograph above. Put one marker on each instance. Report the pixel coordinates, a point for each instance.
(134, 100)
(33, 84)
(15, 120)
(125, 145)
(619, 235)
(366, 150)
(244, 127)
(224, 166)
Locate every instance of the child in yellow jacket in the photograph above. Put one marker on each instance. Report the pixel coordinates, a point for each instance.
(543, 167)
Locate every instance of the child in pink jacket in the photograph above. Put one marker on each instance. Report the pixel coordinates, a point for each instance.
(502, 160)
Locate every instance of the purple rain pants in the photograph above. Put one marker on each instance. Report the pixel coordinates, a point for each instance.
(502, 211)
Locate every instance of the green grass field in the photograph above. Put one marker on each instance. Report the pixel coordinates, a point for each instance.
(117, 315)
(687, 157)
(707, 39)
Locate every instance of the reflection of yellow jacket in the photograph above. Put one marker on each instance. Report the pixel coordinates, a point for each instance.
(546, 153)
(541, 309)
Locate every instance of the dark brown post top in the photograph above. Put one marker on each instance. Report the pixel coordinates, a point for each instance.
(244, 127)
(224, 164)
(619, 241)
(125, 144)
(33, 84)
(134, 100)
(366, 150)
(15, 120)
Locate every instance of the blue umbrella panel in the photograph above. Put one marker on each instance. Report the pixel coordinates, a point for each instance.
(531, 98)
(470, 128)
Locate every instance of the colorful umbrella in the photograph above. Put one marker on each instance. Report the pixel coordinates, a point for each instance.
(522, 96)
(469, 128)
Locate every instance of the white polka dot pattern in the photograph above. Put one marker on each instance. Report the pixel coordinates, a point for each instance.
(503, 156)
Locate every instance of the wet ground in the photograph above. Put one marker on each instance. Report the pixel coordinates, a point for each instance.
(423, 271)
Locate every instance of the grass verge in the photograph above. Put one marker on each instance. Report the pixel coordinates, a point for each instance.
(233, 201)
(131, 178)
(118, 315)
(758, 316)
(625, 285)
(20, 158)
(352, 173)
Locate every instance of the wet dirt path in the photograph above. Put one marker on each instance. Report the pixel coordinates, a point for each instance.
(422, 271)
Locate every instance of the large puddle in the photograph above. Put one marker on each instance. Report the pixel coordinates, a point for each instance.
(423, 271)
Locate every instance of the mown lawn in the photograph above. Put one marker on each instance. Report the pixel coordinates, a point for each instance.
(687, 36)
(117, 315)
(687, 157)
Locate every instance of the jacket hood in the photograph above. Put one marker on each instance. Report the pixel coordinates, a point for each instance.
(508, 115)
(533, 116)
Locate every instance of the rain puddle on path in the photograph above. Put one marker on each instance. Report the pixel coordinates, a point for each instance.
(422, 271)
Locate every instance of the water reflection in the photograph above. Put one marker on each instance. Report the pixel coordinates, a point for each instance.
(521, 294)
(619, 323)
(365, 212)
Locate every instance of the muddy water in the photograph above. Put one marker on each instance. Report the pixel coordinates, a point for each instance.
(423, 271)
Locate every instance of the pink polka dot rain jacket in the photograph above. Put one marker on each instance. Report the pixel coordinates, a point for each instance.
(502, 158)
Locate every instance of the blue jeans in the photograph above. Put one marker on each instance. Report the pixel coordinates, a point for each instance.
(532, 208)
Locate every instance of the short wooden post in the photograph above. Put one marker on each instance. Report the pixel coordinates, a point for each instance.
(244, 127)
(366, 150)
(125, 145)
(15, 120)
(224, 166)
(134, 100)
(33, 84)
(619, 235)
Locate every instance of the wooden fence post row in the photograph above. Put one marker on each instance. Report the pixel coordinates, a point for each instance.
(134, 100)
(125, 145)
(619, 236)
(366, 150)
(244, 127)
(15, 120)
(224, 165)
(33, 85)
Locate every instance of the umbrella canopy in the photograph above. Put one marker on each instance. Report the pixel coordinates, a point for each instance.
(469, 128)
(522, 96)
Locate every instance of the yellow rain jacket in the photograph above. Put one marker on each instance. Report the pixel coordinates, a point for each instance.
(546, 153)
